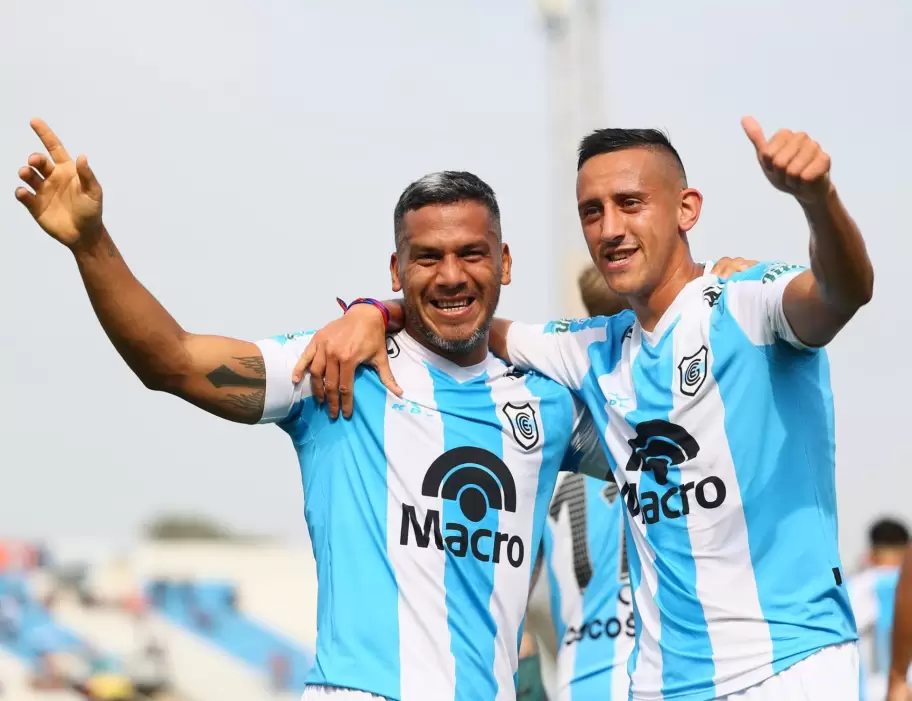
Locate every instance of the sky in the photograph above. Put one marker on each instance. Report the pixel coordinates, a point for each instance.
(251, 154)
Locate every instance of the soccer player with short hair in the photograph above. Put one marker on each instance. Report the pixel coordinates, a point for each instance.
(425, 511)
(872, 592)
(712, 399)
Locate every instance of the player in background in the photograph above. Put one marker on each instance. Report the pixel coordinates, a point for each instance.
(713, 402)
(587, 575)
(872, 592)
(900, 688)
(425, 511)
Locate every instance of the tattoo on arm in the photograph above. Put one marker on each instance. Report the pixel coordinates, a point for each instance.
(246, 405)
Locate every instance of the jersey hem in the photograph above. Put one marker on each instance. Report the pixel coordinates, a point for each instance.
(741, 682)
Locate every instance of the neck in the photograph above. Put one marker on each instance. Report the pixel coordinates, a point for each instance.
(650, 308)
(462, 358)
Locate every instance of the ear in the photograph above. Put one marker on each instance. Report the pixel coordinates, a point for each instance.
(506, 264)
(394, 272)
(689, 209)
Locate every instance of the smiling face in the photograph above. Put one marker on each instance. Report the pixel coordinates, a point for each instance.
(635, 209)
(450, 266)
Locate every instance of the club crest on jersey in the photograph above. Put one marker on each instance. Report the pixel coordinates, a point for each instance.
(692, 370)
(711, 294)
(392, 348)
(523, 422)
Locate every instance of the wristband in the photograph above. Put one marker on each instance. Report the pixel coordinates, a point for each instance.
(367, 300)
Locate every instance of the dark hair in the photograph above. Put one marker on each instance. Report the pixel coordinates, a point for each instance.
(610, 140)
(445, 187)
(888, 533)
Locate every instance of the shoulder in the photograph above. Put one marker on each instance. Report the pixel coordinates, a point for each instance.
(610, 324)
(765, 273)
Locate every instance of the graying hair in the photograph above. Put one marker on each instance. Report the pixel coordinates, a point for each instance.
(445, 187)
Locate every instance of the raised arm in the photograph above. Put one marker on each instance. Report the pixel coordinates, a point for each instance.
(223, 376)
(818, 302)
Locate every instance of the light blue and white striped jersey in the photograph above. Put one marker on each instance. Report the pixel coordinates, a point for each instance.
(719, 427)
(425, 514)
(872, 593)
(586, 564)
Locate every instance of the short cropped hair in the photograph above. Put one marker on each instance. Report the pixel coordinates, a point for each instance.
(598, 298)
(603, 141)
(888, 533)
(445, 187)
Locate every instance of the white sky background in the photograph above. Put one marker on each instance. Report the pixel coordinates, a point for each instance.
(251, 153)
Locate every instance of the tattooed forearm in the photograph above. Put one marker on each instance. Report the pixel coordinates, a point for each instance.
(223, 376)
(248, 406)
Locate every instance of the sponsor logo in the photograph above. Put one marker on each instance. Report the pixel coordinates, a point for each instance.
(658, 446)
(477, 480)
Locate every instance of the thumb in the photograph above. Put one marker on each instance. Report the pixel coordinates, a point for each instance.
(754, 132)
(87, 179)
(381, 365)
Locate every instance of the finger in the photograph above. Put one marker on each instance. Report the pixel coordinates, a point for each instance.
(317, 367)
(799, 163)
(30, 177)
(303, 362)
(331, 383)
(773, 147)
(817, 168)
(381, 365)
(50, 141)
(87, 178)
(26, 198)
(754, 132)
(42, 164)
(790, 148)
(346, 384)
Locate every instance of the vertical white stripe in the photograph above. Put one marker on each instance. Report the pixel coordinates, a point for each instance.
(718, 536)
(427, 666)
(617, 387)
(508, 602)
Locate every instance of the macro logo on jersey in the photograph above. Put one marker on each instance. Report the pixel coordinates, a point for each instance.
(692, 369)
(477, 480)
(658, 446)
(777, 270)
(523, 422)
(711, 294)
(392, 347)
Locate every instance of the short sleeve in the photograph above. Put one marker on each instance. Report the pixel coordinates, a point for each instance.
(754, 298)
(280, 355)
(586, 454)
(558, 349)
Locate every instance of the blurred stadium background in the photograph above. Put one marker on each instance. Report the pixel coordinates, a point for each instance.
(235, 141)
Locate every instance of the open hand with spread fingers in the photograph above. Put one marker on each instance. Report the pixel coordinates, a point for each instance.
(65, 197)
(792, 161)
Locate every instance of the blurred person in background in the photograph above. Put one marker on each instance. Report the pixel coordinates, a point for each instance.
(706, 394)
(900, 684)
(443, 517)
(872, 593)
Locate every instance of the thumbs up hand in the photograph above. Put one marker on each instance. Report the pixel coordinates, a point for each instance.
(792, 162)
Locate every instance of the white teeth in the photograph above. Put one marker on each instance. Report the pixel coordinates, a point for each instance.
(453, 305)
(624, 255)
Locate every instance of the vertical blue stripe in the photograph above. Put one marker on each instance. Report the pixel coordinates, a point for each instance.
(344, 473)
(636, 579)
(554, 592)
(469, 582)
(687, 658)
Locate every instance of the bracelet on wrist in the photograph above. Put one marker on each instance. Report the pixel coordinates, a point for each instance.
(367, 300)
